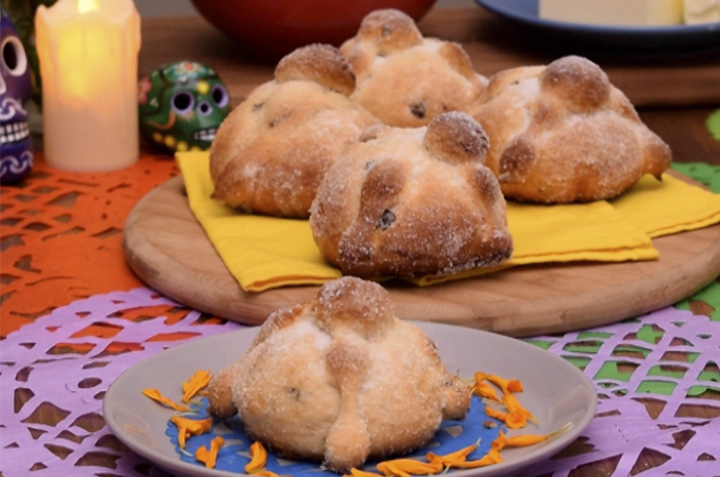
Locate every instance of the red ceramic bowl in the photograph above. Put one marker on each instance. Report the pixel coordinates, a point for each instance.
(270, 29)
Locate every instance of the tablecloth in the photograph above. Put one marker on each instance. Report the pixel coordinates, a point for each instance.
(62, 352)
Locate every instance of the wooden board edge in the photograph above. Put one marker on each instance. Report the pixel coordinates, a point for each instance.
(252, 309)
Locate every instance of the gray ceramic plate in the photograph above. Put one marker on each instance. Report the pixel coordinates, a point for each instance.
(555, 391)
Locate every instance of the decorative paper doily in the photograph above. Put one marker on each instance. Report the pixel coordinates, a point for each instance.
(55, 372)
(62, 235)
(56, 368)
(648, 373)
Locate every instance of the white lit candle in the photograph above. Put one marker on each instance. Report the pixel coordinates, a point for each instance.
(88, 53)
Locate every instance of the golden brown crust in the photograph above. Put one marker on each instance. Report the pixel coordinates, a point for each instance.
(407, 80)
(271, 152)
(340, 379)
(413, 202)
(390, 31)
(456, 138)
(219, 393)
(580, 84)
(320, 63)
(563, 133)
(355, 305)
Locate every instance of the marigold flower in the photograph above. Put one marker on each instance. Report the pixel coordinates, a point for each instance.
(515, 420)
(209, 457)
(197, 381)
(480, 377)
(518, 413)
(515, 417)
(258, 458)
(483, 389)
(406, 467)
(492, 457)
(190, 427)
(157, 396)
(522, 440)
(496, 413)
(448, 460)
(507, 386)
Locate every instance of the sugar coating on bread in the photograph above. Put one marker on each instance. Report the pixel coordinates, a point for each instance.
(409, 202)
(563, 133)
(405, 79)
(271, 152)
(319, 63)
(340, 379)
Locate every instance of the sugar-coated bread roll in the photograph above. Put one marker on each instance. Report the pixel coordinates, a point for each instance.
(409, 202)
(563, 133)
(405, 79)
(340, 379)
(272, 151)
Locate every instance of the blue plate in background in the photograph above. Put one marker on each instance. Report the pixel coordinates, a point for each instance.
(613, 40)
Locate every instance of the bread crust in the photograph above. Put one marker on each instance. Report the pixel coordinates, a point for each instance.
(413, 202)
(340, 379)
(405, 79)
(563, 133)
(271, 152)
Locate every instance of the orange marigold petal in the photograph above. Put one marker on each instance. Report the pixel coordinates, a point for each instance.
(518, 415)
(453, 457)
(389, 469)
(480, 376)
(514, 386)
(197, 381)
(485, 390)
(258, 458)
(404, 467)
(500, 382)
(515, 420)
(190, 427)
(521, 440)
(182, 436)
(492, 457)
(499, 443)
(514, 405)
(511, 402)
(524, 440)
(209, 457)
(157, 396)
(495, 414)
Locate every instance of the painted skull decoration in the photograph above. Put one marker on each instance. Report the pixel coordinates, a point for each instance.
(181, 106)
(16, 153)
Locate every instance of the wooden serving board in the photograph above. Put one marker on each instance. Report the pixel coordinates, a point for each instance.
(168, 249)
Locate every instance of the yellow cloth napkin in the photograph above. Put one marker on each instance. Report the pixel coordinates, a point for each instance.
(260, 252)
(668, 206)
(264, 252)
(566, 233)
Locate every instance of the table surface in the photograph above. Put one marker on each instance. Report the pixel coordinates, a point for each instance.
(74, 316)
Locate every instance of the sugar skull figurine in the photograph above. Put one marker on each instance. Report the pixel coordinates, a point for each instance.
(16, 153)
(181, 106)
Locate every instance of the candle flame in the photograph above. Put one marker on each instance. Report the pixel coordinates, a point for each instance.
(85, 6)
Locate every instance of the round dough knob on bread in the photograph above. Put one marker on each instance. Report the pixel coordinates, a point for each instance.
(271, 152)
(563, 133)
(340, 379)
(410, 202)
(405, 79)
